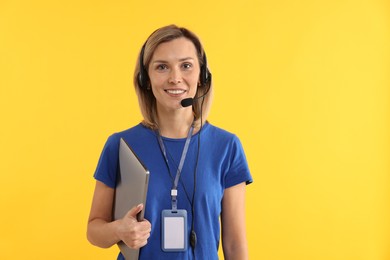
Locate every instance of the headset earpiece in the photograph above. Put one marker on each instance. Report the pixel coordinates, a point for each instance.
(143, 77)
(205, 75)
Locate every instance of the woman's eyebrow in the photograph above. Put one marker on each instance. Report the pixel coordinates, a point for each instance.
(181, 60)
(185, 59)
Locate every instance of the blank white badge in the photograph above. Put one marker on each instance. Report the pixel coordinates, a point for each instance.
(174, 230)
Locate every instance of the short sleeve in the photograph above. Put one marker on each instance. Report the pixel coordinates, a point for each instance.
(238, 170)
(106, 170)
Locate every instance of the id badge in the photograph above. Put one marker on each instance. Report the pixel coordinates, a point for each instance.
(174, 230)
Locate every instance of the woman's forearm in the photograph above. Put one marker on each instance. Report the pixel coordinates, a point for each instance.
(102, 234)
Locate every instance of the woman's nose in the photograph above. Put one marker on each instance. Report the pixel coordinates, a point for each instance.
(175, 76)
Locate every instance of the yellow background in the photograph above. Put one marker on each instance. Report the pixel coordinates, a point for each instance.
(304, 84)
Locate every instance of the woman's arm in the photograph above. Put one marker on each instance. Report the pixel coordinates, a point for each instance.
(104, 232)
(234, 241)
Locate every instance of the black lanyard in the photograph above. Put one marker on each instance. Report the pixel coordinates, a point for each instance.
(182, 159)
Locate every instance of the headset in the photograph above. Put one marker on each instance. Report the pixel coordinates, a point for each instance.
(143, 77)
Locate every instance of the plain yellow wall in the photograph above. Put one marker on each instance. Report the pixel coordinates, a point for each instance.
(304, 84)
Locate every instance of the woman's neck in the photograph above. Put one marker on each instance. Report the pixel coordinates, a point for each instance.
(175, 124)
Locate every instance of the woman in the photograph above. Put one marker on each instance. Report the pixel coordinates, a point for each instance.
(173, 85)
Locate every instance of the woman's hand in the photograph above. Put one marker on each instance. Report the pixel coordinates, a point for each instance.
(104, 232)
(133, 233)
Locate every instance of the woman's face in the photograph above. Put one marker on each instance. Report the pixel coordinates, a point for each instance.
(174, 73)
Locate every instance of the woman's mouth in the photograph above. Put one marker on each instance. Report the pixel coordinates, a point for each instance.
(175, 91)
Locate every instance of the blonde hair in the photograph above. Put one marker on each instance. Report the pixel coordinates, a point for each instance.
(146, 99)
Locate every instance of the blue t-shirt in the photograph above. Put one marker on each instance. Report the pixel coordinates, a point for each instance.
(221, 164)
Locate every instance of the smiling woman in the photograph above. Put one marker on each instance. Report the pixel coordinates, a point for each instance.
(198, 172)
(192, 52)
(174, 75)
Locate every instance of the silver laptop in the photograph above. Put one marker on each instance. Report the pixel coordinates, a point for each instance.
(131, 190)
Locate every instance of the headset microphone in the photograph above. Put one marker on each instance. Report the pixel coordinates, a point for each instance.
(187, 102)
(190, 101)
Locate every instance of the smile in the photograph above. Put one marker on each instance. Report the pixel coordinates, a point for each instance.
(175, 91)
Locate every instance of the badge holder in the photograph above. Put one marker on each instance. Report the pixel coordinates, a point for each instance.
(174, 230)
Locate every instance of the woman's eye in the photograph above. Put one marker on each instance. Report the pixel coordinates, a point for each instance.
(162, 67)
(187, 65)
